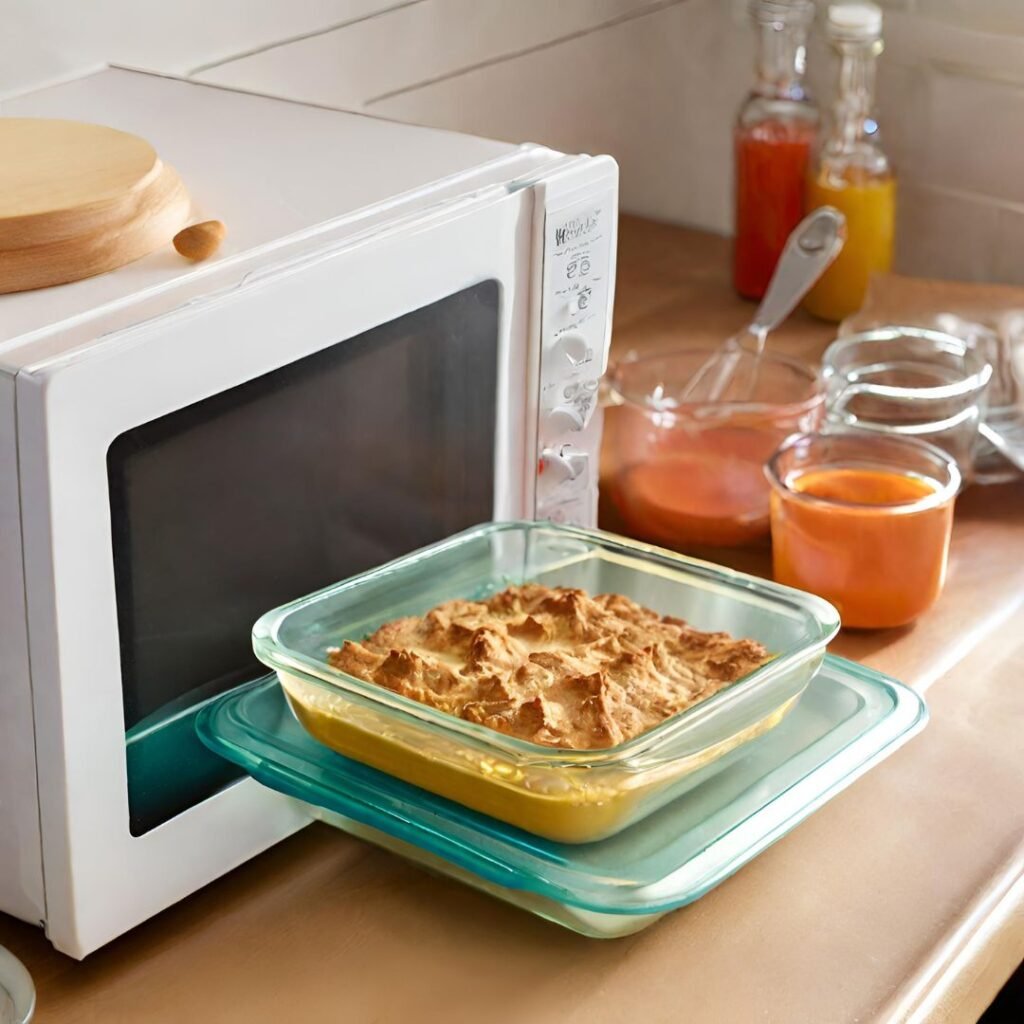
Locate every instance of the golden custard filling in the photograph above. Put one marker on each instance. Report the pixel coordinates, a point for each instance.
(551, 665)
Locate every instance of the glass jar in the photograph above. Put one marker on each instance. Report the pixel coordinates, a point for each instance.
(911, 382)
(863, 521)
(774, 134)
(851, 171)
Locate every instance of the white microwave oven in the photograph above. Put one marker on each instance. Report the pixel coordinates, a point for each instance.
(402, 336)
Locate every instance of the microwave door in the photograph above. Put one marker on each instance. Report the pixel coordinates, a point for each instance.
(181, 478)
(320, 469)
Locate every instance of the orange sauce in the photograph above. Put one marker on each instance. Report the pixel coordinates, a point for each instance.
(710, 491)
(771, 165)
(877, 559)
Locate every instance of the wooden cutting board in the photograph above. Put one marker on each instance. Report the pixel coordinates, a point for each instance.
(80, 199)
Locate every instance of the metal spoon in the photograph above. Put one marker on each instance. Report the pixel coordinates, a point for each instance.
(810, 249)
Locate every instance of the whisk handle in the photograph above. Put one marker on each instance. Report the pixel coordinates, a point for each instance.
(810, 250)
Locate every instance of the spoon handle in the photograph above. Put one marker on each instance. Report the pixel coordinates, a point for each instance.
(813, 244)
(810, 249)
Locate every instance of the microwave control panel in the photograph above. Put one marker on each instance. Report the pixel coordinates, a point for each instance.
(579, 248)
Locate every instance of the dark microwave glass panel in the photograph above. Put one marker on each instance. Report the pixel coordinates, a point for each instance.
(325, 467)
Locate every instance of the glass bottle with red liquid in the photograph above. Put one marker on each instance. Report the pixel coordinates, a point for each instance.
(774, 139)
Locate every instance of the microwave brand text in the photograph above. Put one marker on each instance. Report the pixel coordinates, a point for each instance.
(577, 227)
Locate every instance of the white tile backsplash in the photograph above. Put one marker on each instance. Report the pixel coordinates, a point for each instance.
(944, 234)
(974, 139)
(640, 91)
(41, 40)
(1001, 16)
(412, 46)
(1008, 261)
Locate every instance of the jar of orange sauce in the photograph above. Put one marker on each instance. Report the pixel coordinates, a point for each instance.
(863, 521)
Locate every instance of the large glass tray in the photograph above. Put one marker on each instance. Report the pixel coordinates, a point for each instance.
(848, 719)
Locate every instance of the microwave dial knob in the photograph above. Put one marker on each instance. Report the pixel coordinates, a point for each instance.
(566, 417)
(563, 464)
(573, 349)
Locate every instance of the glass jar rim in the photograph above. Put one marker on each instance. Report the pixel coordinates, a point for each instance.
(978, 376)
(944, 491)
(810, 373)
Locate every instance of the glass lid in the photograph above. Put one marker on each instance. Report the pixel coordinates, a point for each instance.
(849, 718)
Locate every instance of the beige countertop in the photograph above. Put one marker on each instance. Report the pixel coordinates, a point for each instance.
(902, 899)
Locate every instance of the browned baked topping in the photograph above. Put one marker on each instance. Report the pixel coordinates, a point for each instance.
(553, 666)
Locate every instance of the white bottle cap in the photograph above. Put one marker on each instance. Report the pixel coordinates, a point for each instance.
(855, 21)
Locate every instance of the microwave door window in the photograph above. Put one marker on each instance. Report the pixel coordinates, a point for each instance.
(361, 452)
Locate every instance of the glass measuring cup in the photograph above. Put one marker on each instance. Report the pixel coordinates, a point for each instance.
(690, 474)
(909, 382)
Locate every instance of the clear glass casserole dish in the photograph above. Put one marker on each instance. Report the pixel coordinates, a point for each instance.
(565, 795)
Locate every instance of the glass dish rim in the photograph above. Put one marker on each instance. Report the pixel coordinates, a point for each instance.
(976, 382)
(526, 754)
(688, 410)
(947, 491)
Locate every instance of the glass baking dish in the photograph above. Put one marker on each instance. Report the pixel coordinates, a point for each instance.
(849, 719)
(565, 795)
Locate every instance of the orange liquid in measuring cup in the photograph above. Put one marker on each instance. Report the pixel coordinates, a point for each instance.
(879, 561)
(710, 490)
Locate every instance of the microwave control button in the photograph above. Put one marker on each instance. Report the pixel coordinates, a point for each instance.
(573, 349)
(583, 391)
(566, 417)
(561, 465)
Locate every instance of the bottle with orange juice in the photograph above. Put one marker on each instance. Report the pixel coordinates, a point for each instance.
(851, 171)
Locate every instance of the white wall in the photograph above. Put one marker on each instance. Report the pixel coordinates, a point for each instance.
(45, 39)
(655, 82)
